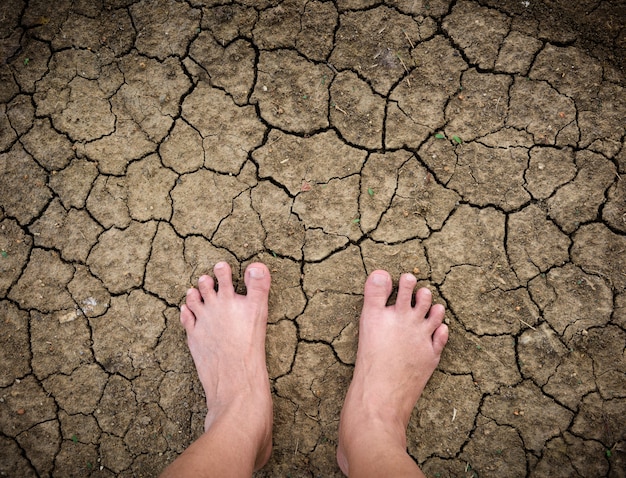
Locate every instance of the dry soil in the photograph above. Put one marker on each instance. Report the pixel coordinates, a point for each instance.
(477, 144)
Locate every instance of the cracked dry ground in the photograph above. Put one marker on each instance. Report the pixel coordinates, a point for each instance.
(478, 145)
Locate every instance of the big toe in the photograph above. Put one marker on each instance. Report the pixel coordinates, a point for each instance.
(377, 289)
(257, 279)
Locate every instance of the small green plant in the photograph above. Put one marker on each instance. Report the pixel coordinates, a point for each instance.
(608, 453)
(370, 191)
(440, 136)
(4, 253)
(356, 221)
(74, 438)
(457, 139)
(26, 61)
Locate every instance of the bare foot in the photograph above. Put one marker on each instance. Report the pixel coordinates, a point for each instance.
(226, 337)
(399, 348)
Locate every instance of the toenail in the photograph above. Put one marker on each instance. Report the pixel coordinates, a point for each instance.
(257, 272)
(190, 290)
(379, 279)
(202, 278)
(219, 265)
(410, 277)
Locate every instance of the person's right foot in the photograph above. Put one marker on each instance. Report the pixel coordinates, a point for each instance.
(399, 348)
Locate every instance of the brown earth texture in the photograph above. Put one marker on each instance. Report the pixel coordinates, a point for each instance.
(479, 144)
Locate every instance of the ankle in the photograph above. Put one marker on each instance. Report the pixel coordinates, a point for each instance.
(368, 442)
(251, 429)
(365, 425)
(249, 414)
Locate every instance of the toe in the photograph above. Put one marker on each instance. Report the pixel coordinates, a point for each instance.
(206, 286)
(435, 317)
(377, 289)
(257, 279)
(193, 301)
(224, 276)
(406, 286)
(423, 299)
(187, 318)
(440, 338)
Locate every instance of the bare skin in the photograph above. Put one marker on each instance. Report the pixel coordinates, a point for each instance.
(399, 348)
(226, 337)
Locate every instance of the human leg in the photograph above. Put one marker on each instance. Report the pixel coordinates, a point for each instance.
(226, 337)
(399, 348)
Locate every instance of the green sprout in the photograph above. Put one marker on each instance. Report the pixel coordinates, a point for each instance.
(26, 61)
(370, 191)
(457, 139)
(440, 136)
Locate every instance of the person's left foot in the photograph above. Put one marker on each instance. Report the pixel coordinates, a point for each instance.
(226, 337)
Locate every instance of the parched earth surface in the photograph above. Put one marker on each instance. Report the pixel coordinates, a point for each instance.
(476, 144)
